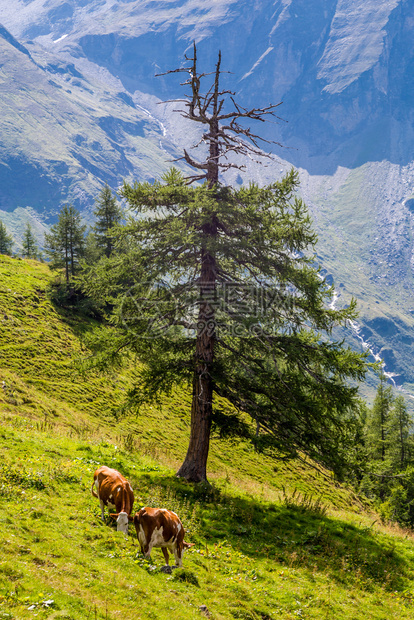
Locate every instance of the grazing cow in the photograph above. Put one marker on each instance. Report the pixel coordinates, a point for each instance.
(158, 527)
(114, 491)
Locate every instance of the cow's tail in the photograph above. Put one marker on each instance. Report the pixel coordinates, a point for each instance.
(137, 523)
(93, 490)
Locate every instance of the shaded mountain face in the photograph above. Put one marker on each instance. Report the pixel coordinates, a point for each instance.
(342, 67)
(80, 106)
(65, 133)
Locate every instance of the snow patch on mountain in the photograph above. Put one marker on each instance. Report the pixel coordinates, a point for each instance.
(257, 63)
(284, 15)
(60, 38)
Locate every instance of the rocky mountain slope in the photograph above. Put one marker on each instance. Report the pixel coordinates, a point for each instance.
(80, 105)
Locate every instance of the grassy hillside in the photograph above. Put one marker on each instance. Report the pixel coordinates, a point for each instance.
(273, 539)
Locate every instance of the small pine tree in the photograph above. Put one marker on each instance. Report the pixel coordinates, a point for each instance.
(93, 253)
(29, 246)
(378, 421)
(108, 214)
(6, 240)
(399, 434)
(65, 244)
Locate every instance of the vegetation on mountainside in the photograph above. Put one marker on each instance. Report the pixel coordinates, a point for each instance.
(274, 539)
(388, 474)
(6, 240)
(65, 244)
(29, 245)
(252, 559)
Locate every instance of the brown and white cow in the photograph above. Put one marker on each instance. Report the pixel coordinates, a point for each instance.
(158, 527)
(114, 491)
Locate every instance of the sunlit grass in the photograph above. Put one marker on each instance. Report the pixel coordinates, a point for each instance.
(252, 558)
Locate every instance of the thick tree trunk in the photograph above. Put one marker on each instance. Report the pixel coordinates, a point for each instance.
(194, 467)
(67, 264)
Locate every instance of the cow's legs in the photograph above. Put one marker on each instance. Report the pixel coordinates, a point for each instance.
(146, 547)
(178, 556)
(165, 552)
(96, 483)
(102, 509)
(141, 538)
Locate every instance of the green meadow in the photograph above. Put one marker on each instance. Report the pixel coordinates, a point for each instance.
(273, 539)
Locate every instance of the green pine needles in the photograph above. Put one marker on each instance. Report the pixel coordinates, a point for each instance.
(267, 309)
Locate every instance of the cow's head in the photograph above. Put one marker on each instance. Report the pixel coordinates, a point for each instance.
(122, 520)
(187, 545)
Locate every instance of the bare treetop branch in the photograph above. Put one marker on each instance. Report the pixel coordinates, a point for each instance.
(222, 139)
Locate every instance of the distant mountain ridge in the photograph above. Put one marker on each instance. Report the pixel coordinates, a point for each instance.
(80, 106)
(342, 67)
(7, 36)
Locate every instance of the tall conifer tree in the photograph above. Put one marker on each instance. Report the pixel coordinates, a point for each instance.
(378, 425)
(6, 240)
(29, 245)
(223, 293)
(400, 434)
(378, 422)
(65, 244)
(108, 213)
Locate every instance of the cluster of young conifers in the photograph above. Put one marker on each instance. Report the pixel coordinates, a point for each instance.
(155, 527)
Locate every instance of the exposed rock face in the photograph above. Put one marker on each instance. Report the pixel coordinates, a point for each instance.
(83, 111)
(342, 67)
(65, 134)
